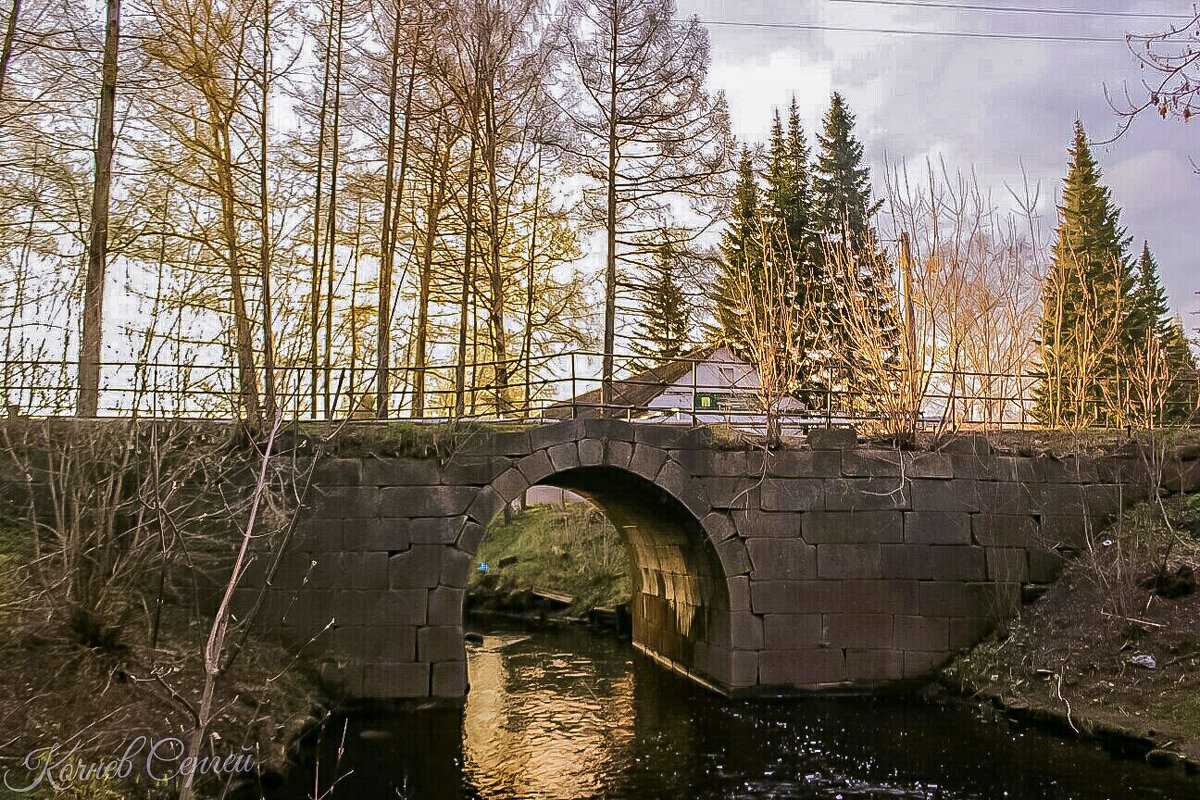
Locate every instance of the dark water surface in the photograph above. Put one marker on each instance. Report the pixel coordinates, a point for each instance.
(566, 713)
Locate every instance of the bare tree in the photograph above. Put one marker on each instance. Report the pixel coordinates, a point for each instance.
(648, 128)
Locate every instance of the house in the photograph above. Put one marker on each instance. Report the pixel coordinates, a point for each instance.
(709, 385)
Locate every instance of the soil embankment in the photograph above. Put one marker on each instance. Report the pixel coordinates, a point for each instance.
(1112, 650)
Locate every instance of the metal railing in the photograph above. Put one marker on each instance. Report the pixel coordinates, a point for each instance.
(569, 385)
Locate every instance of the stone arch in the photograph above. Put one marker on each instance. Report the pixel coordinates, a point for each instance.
(683, 554)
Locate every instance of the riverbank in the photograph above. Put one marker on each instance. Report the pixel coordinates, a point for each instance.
(96, 704)
(568, 556)
(1112, 650)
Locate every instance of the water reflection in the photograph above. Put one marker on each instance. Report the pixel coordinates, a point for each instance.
(513, 728)
(567, 714)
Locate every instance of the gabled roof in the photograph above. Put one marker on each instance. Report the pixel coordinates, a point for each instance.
(634, 392)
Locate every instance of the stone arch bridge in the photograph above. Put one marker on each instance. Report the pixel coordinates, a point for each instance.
(834, 566)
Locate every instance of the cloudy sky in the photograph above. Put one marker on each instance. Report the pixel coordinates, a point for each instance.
(993, 105)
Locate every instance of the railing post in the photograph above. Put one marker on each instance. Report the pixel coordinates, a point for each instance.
(574, 393)
(693, 393)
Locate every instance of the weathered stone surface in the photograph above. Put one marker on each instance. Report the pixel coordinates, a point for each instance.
(832, 439)
(420, 566)
(1004, 530)
(647, 461)
(918, 664)
(782, 559)
(838, 561)
(881, 596)
(511, 485)
(1007, 564)
(795, 597)
(754, 523)
(906, 561)
(445, 606)
(792, 494)
(564, 456)
(866, 631)
(339, 502)
(339, 472)
(937, 527)
(424, 501)
(450, 679)
(440, 643)
(792, 631)
(591, 452)
(746, 631)
(866, 494)
(921, 633)
(535, 466)
(802, 464)
(954, 563)
(848, 527)
(874, 665)
(809, 668)
(395, 680)
(961, 496)
(378, 471)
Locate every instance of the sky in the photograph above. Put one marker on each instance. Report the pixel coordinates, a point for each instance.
(997, 106)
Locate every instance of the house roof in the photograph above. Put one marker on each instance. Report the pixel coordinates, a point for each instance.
(634, 392)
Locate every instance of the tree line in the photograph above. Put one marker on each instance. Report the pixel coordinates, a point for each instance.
(381, 208)
(332, 197)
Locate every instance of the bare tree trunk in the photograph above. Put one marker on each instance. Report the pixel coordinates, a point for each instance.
(495, 266)
(460, 371)
(394, 191)
(97, 256)
(331, 229)
(527, 344)
(433, 211)
(10, 36)
(317, 249)
(264, 221)
(610, 261)
(243, 343)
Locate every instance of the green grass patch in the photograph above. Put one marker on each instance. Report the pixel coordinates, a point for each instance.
(573, 550)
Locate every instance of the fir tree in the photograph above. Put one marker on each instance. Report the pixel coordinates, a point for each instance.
(1183, 393)
(741, 251)
(788, 191)
(664, 331)
(1149, 314)
(841, 183)
(842, 210)
(1087, 324)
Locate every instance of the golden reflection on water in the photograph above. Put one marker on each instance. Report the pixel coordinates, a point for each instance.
(543, 723)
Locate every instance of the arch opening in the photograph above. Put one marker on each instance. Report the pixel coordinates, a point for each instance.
(679, 604)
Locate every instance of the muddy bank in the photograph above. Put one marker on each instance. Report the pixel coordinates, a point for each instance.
(1111, 651)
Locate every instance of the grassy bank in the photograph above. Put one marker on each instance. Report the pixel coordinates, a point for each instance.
(573, 551)
(54, 690)
(1109, 650)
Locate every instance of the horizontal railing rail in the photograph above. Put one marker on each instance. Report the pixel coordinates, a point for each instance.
(685, 390)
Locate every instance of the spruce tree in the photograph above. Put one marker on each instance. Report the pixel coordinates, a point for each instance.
(841, 183)
(842, 210)
(741, 252)
(1149, 314)
(1086, 322)
(664, 331)
(1183, 393)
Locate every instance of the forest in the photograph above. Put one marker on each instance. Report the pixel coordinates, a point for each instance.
(415, 209)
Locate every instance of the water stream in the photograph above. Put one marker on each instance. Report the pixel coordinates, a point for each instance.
(568, 713)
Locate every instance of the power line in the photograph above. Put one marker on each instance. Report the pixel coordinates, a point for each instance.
(1029, 37)
(1069, 12)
